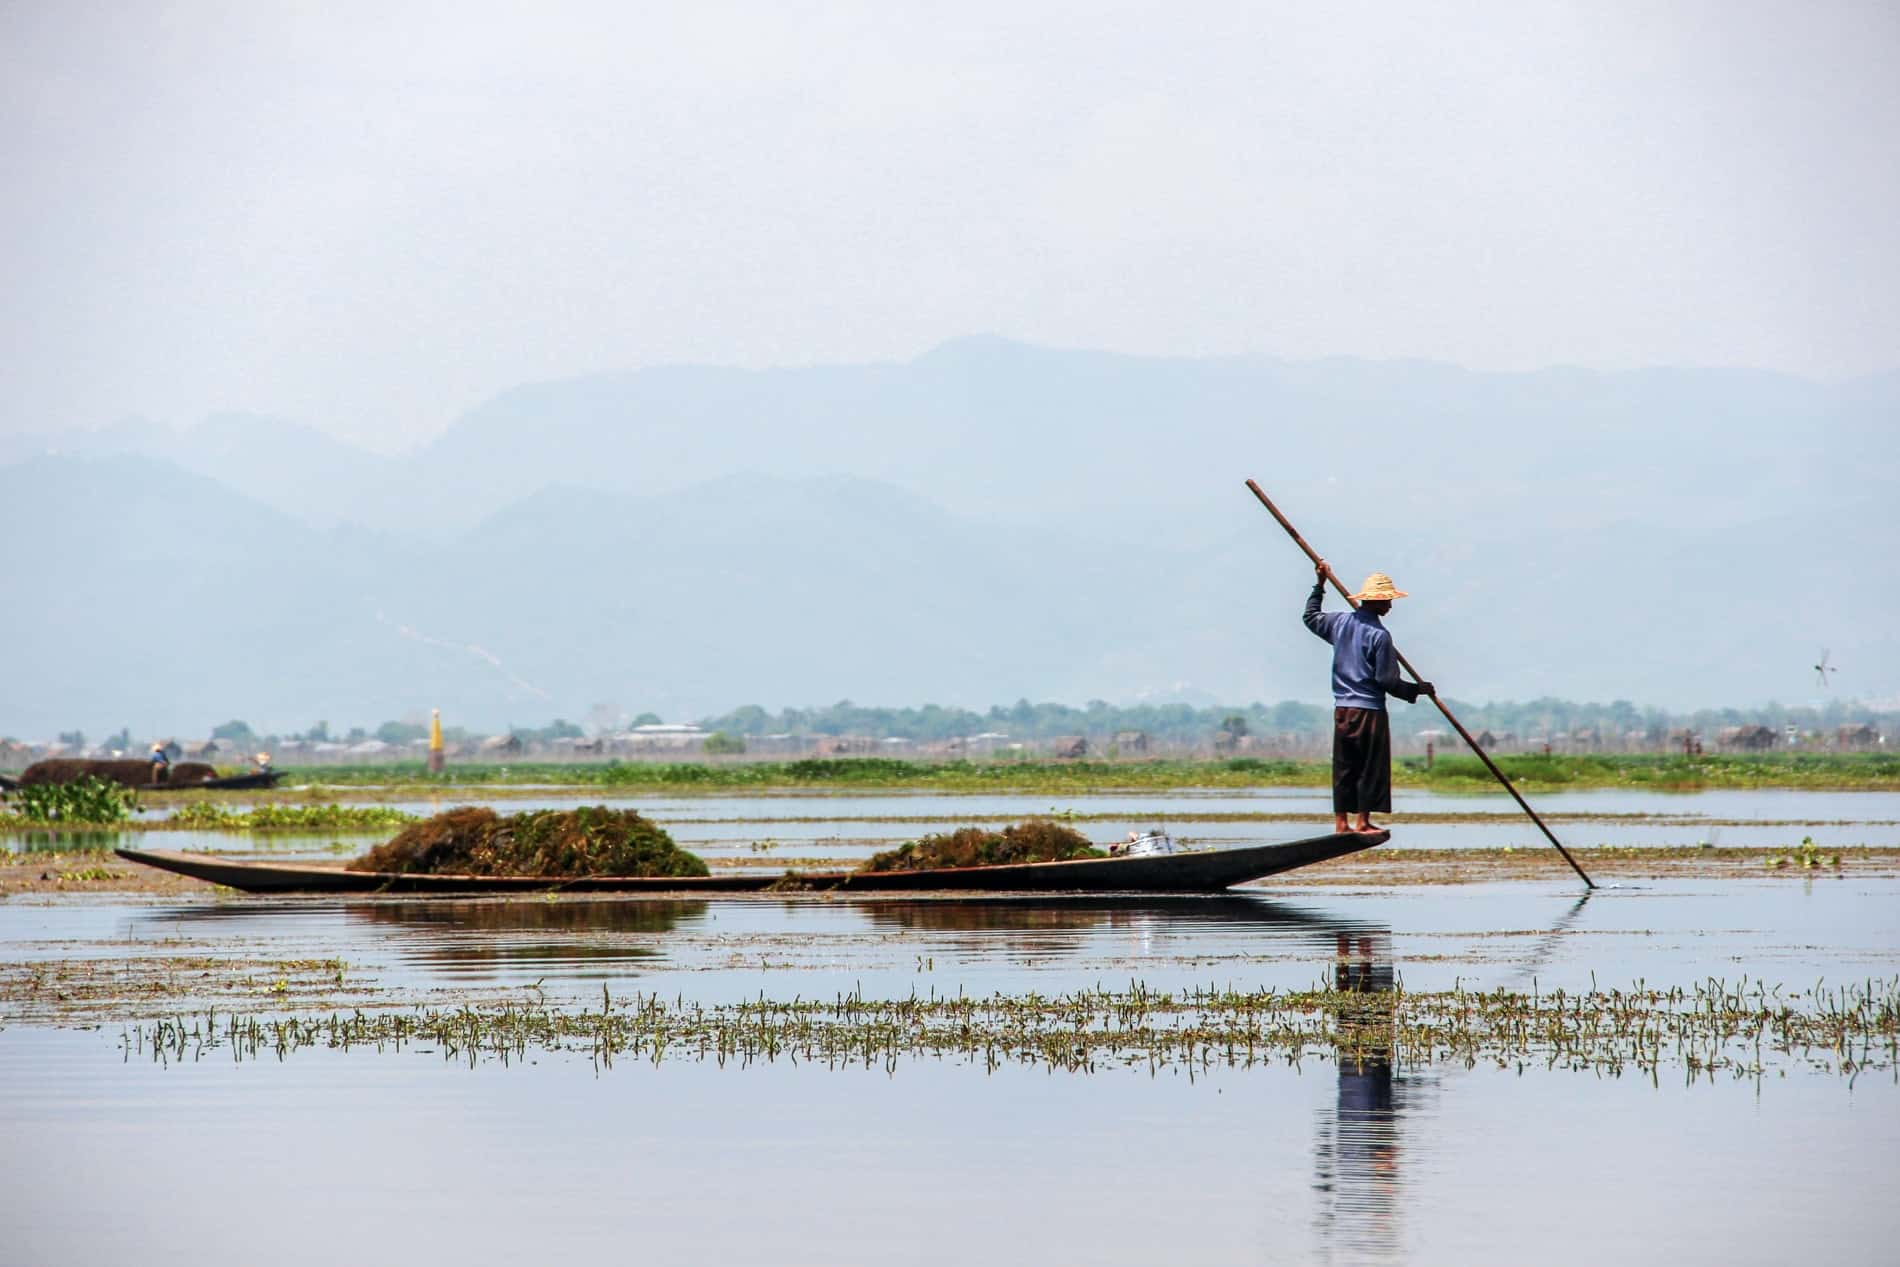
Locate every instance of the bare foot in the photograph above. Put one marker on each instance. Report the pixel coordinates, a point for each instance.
(1364, 825)
(1339, 825)
(1369, 830)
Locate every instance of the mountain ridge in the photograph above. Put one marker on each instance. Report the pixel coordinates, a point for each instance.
(1003, 521)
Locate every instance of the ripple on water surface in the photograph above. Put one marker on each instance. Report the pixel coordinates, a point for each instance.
(1665, 932)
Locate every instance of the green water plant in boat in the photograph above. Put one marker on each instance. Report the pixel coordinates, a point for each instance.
(590, 841)
(1037, 840)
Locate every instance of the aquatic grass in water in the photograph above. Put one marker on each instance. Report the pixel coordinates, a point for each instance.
(87, 991)
(1743, 1030)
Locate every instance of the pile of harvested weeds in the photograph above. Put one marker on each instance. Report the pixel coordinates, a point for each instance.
(1037, 840)
(590, 841)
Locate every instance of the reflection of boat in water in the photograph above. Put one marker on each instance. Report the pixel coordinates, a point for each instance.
(1043, 925)
(658, 916)
(473, 937)
(1196, 871)
(1028, 914)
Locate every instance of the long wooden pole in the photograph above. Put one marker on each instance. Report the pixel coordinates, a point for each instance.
(1407, 666)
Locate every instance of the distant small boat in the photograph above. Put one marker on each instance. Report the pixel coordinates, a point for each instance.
(137, 775)
(1190, 871)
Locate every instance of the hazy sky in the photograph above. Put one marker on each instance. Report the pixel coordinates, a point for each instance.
(371, 216)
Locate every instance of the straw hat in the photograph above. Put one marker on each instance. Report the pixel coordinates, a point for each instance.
(1378, 586)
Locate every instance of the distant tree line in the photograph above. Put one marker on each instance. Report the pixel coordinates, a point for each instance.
(1021, 720)
(1556, 716)
(1101, 722)
(1185, 723)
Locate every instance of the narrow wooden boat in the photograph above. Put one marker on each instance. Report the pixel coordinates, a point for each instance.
(1192, 871)
(226, 783)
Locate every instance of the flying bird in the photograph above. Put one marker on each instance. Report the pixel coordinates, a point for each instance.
(1822, 669)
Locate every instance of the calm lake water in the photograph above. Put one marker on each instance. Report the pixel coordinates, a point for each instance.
(853, 826)
(408, 1156)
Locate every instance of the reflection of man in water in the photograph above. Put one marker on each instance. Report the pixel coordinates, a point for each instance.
(1358, 1149)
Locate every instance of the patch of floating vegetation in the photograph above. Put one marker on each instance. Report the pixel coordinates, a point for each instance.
(83, 802)
(1391, 865)
(91, 804)
(205, 816)
(1037, 840)
(592, 840)
(81, 990)
(1808, 857)
(1746, 1029)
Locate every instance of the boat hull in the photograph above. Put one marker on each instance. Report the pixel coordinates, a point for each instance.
(228, 783)
(1197, 871)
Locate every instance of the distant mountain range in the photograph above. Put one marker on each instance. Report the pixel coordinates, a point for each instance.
(991, 520)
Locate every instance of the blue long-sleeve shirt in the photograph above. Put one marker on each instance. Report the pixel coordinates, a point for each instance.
(1365, 667)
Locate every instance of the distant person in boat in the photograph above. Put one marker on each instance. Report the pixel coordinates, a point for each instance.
(1365, 671)
(161, 764)
(261, 764)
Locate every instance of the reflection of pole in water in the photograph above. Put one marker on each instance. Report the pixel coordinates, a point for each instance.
(1357, 1153)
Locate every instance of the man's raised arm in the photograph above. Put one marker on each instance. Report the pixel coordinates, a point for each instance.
(1321, 623)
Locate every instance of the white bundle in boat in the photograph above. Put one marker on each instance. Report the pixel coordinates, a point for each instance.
(1152, 842)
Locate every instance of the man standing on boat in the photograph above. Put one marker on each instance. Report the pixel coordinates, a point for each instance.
(1365, 671)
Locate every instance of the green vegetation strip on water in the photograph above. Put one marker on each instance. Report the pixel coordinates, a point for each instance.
(87, 801)
(91, 803)
(1872, 770)
(1715, 1028)
(203, 816)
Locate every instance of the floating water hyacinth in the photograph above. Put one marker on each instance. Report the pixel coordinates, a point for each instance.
(86, 801)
